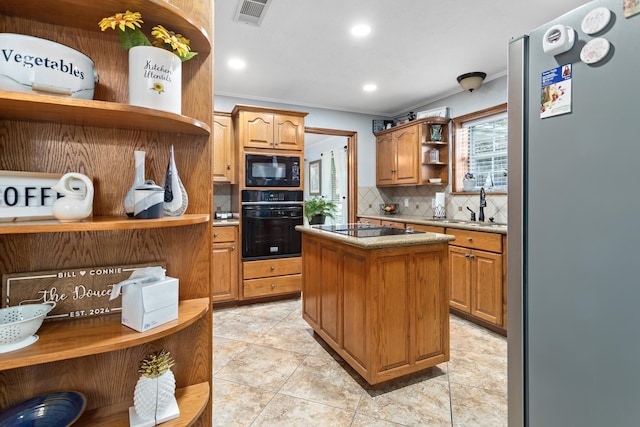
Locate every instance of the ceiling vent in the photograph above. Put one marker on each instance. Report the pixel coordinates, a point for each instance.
(252, 11)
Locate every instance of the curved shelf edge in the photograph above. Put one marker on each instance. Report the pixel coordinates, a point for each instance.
(86, 16)
(191, 400)
(61, 340)
(105, 223)
(90, 112)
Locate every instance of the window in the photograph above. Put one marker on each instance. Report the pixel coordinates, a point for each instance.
(480, 148)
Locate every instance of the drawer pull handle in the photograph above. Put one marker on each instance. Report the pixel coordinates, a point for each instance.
(273, 286)
(215, 234)
(469, 239)
(233, 248)
(273, 267)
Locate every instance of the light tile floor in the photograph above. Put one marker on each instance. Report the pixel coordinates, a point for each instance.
(270, 369)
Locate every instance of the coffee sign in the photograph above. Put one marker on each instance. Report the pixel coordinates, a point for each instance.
(77, 293)
(29, 195)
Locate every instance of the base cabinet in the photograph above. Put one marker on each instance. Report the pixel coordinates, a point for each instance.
(385, 311)
(224, 264)
(476, 275)
(271, 277)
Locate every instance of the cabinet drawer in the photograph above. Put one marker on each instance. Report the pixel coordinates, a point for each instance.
(393, 224)
(223, 234)
(272, 286)
(476, 240)
(271, 267)
(427, 228)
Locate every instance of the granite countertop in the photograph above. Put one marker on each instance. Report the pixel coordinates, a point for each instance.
(408, 239)
(487, 227)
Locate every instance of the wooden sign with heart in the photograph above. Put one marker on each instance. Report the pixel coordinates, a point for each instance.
(77, 292)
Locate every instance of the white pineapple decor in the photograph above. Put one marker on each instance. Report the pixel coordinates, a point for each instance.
(153, 399)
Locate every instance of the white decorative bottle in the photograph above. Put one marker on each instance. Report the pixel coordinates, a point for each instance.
(153, 399)
(176, 199)
(129, 199)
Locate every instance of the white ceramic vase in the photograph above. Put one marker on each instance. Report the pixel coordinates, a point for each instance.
(176, 199)
(155, 79)
(129, 198)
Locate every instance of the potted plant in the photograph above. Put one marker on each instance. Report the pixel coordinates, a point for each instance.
(469, 182)
(317, 209)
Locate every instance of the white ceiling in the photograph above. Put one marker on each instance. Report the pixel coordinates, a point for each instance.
(303, 52)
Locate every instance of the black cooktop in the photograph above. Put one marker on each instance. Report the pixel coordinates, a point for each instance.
(363, 230)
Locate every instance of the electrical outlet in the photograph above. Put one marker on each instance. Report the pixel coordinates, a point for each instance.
(433, 202)
(406, 202)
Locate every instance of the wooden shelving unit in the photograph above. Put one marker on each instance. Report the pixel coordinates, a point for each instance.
(107, 223)
(98, 356)
(84, 112)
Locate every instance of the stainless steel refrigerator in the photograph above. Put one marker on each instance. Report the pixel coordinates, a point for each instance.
(574, 220)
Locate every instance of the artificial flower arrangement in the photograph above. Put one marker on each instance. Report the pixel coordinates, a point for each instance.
(469, 176)
(129, 26)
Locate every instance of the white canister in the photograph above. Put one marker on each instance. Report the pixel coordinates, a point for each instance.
(155, 79)
(149, 199)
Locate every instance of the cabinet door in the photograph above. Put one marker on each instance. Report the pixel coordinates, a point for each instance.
(407, 155)
(459, 278)
(257, 129)
(486, 286)
(288, 132)
(385, 160)
(224, 272)
(223, 153)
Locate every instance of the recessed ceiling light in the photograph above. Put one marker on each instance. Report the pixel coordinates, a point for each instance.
(237, 64)
(369, 87)
(360, 30)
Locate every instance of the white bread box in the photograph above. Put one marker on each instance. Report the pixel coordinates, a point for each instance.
(34, 65)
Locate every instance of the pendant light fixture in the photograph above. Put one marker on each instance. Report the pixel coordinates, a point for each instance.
(471, 81)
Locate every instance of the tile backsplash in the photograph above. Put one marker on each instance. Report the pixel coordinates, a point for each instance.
(221, 197)
(419, 198)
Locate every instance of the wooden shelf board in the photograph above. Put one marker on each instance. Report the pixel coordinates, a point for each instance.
(191, 400)
(67, 339)
(434, 163)
(86, 15)
(100, 224)
(88, 112)
(435, 143)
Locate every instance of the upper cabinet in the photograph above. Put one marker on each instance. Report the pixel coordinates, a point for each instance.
(269, 129)
(414, 153)
(224, 152)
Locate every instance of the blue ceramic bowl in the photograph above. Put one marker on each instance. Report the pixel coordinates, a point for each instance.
(57, 409)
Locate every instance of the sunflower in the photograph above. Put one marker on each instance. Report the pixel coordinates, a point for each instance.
(168, 39)
(129, 27)
(158, 87)
(124, 20)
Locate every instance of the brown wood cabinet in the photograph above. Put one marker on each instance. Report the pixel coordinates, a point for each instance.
(99, 356)
(385, 311)
(402, 154)
(269, 129)
(476, 275)
(224, 150)
(225, 264)
(271, 277)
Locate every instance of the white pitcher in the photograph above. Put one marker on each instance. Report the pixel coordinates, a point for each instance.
(75, 205)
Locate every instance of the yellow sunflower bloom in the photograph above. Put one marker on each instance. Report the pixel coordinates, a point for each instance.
(177, 42)
(124, 20)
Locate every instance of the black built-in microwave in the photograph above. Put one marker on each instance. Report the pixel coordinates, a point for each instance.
(272, 171)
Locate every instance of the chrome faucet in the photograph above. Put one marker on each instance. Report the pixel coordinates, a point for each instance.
(483, 204)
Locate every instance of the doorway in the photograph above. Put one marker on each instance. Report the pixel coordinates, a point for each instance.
(334, 155)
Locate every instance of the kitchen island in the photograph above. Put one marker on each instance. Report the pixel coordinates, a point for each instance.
(382, 303)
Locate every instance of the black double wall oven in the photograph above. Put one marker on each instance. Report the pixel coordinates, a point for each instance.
(269, 218)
